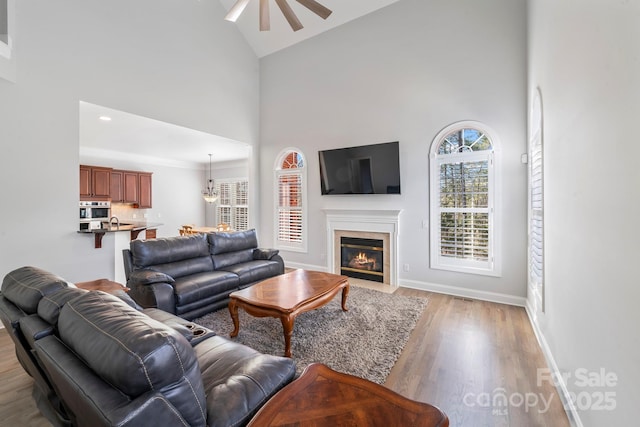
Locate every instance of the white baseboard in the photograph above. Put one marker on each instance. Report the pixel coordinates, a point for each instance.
(464, 292)
(311, 267)
(561, 385)
(440, 289)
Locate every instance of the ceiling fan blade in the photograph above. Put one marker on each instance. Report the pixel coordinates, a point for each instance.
(265, 24)
(316, 8)
(236, 10)
(289, 15)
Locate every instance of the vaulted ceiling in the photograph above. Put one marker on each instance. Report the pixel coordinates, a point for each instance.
(110, 139)
(281, 35)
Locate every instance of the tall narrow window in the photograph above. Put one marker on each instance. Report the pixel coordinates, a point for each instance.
(233, 204)
(6, 13)
(536, 205)
(463, 211)
(290, 177)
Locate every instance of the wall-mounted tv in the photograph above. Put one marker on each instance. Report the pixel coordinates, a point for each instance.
(365, 169)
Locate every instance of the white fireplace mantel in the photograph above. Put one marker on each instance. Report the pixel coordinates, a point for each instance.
(375, 221)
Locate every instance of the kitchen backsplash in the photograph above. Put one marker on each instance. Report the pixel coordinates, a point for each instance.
(128, 212)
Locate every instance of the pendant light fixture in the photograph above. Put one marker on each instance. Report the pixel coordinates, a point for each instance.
(210, 195)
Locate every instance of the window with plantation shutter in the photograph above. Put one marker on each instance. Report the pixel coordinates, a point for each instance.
(536, 205)
(463, 213)
(233, 203)
(290, 177)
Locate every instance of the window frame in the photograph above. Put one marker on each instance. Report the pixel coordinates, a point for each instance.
(300, 172)
(233, 205)
(6, 46)
(493, 265)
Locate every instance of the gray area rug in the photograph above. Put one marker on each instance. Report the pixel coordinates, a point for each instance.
(365, 341)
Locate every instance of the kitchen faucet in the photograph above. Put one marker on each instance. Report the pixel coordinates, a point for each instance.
(117, 221)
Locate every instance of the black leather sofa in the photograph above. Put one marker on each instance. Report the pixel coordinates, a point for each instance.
(193, 275)
(101, 360)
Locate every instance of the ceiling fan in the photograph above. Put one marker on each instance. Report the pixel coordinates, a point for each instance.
(312, 5)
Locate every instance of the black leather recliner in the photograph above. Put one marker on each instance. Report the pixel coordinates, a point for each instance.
(22, 291)
(107, 363)
(193, 275)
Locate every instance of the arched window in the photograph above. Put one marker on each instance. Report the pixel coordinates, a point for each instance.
(463, 200)
(291, 201)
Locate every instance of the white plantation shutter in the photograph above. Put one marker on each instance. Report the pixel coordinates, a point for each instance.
(290, 201)
(290, 207)
(536, 205)
(462, 201)
(233, 203)
(464, 210)
(536, 216)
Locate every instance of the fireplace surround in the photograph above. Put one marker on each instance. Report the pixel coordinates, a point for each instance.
(364, 224)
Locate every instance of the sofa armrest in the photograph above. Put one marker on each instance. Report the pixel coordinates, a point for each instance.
(155, 295)
(261, 253)
(148, 276)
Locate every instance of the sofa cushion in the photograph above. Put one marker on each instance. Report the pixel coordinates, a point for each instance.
(26, 286)
(133, 352)
(253, 271)
(221, 242)
(185, 267)
(230, 258)
(200, 286)
(146, 253)
(238, 379)
(50, 306)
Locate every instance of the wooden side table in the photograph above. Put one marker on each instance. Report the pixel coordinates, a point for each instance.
(323, 397)
(105, 285)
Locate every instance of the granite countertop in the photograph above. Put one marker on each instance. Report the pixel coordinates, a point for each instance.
(124, 226)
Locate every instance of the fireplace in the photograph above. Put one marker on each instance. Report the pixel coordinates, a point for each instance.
(378, 225)
(362, 258)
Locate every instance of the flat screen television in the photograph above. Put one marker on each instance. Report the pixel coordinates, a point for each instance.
(365, 169)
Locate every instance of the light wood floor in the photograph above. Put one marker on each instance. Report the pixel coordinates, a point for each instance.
(463, 356)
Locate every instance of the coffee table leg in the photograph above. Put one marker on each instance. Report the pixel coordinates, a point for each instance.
(345, 293)
(233, 309)
(287, 327)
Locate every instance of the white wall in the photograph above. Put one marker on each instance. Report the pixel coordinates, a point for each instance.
(404, 73)
(170, 60)
(584, 57)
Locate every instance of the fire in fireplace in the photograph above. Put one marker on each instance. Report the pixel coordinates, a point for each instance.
(362, 258)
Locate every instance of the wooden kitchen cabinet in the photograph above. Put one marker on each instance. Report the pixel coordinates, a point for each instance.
(144, 190)
(117, 193)
(95, 182)
(131, 187)
(130, 184)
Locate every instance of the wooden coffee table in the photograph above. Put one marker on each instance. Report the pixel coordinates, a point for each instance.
(286, 296)
(323, 397)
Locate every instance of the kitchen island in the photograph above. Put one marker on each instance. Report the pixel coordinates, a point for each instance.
(133, 227)
(122, 234)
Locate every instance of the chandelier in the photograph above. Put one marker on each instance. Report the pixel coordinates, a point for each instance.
(210, 195)
(265, 25)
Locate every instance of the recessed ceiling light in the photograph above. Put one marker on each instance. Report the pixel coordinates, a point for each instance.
(105, 118)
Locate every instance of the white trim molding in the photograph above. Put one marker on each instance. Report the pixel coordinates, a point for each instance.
(464, 292)
(561, 385)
